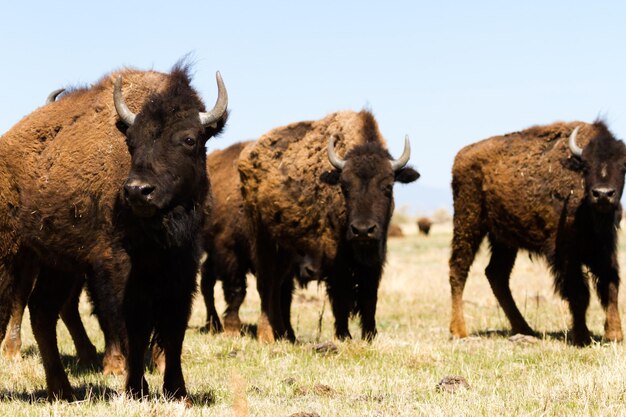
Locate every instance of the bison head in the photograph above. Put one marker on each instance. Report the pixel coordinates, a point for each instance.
(166, 140)
(366, 178)
(603, 163)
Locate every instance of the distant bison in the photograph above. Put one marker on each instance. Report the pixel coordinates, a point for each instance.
(303, 198)
(110, 181)
(395, 231)
(552, 190)
(423, 225)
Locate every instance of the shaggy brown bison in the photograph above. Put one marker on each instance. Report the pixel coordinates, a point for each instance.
(338, 218)
(70, 316)
(110, 181)
(395, 231)
(423, 225)
(227, 242)
(553, 191)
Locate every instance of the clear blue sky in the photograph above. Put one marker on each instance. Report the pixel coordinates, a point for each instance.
(447, 73)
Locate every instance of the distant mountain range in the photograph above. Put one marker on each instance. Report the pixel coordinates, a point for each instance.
(419, 199)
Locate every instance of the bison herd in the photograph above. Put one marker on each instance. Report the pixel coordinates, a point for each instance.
(110, 187)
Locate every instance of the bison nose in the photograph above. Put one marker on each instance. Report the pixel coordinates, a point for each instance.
(138, 191)
(360, 229)
(603, 194)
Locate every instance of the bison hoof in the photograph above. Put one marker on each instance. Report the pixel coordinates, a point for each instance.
(89, 358)
(264, 330)
(369, 336)
(12, 350)
(114, 365)
(64, 393)
(458, 331)
(212, 326)
(138, 390)
(581, 338)
(613, 336)
(232, 326)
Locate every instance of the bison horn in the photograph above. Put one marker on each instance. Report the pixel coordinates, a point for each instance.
(123, 111)
(399, 163)
(573, 146)
(210, 118)
(53, 95)
(332, 156)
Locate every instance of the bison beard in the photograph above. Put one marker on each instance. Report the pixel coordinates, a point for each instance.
(537, 190)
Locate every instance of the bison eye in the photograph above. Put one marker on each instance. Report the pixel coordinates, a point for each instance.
(189, 141)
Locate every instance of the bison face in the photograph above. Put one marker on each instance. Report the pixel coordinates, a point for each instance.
(366, 177)
(602, 162)
(166, 167)
(166, 140)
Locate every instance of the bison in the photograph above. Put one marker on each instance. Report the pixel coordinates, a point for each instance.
(302, 197)
(423, 225)
(554, 191)
(227, 242)
(110, 181)
(85, 350)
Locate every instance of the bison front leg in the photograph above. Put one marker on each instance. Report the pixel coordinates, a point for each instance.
(171, 333)
(272, 270)
(340, 288)
(607, 287)
(367, 298)
(85, 350)
(574, 289)
(51, 291)
(139, 319)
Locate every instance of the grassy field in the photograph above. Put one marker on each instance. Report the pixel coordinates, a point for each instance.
(397, 375)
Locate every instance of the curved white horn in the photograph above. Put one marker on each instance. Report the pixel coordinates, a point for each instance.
(53, 95)
(399, 163)
(332, 156)
(573, 146)
(208, 118)
(123, 111)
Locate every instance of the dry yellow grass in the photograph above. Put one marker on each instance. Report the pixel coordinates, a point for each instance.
(397, 375)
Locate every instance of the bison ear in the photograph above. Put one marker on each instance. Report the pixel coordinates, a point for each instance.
(330, 177)
(406, 175)
(573, 163)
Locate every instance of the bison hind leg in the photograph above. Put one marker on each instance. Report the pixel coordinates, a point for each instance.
(207, 286)
(467, 235)
(498, 273)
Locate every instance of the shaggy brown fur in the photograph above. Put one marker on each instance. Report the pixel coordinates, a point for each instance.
(423, 225)
(526, 190)
(287, 192)
(62, 172)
